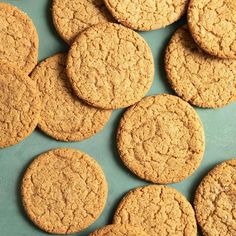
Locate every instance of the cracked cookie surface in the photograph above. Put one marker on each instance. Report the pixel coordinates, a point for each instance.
(158, 210)
(18, 38)
(71, 17)
(64, 116)
(161, 139)
(215, 201)
(197, 77)
(147, 15)
(119, 230)
(110, 66)
(213, 26)
(64, 191)
(19, 105)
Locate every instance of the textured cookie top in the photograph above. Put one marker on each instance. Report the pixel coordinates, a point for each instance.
(213, 26)
(147, 15)
(158, 210)
(64, 116)
(161, 139)
(110, 66)
(197, 77)
(18, 38)
(19, 105)
(119, 230)
(71, 17)
(215, 201)
(64, 191)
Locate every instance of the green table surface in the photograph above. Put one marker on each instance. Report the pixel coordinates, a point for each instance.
(219, 124)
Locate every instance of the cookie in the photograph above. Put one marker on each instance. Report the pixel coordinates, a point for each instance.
(18, 38)
(213, 26)
(197, 77)
(110, 66)
(72, 17)
(158, 210)
(64, 191)
(147, 15)
(215, 201)
(64, 116)
(119, 230)
(19, 105)
(161, 139)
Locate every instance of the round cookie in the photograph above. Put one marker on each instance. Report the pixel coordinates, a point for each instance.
(161, 139)
(64, 191)
(64, 116)
(119, 230)
(72, 17)
(19, 105)
(110, 66)
(147, 15)
(18, 38)
(197, 77)
(213, 26)
(158, 210)
(215, 201)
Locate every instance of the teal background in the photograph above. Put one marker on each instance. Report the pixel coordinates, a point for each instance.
(220, 130)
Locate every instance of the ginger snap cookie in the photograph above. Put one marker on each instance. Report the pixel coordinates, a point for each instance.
(72, 17)
(119, 230)
(197, 77)
(213, 26)
(64, 191)
(64, 116)
(215, 201)
(110, 66)
(18, 38)
(147, 15)
(158, 210)
(161, 139)
(19, 105)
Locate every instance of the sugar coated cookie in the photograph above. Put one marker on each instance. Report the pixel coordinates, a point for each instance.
(215, 201)
(64, 191)
(197, 77)
(147, 15)
(110, 66)
(158, 210)
(64, 116)
(19, 105)
(213, 26)
(119, 230)
(72, 17)
(18, 38)
(161, 139)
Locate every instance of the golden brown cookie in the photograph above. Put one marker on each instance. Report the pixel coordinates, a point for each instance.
(18, 38)
(213, 26)
(64, 116)
(110, 66)
(72, 17)
(197, 77)
(215, 201)
(147, 15)
(64, 191)
(161, 139)
(158, 210)
(119, 230)
(19, 105)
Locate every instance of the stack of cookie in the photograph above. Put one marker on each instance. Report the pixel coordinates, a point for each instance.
(160, 138)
